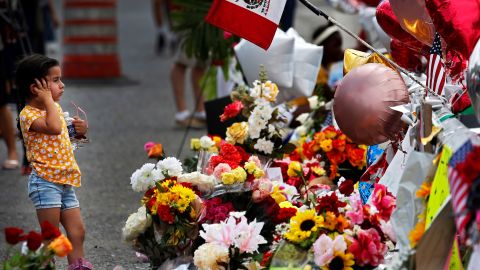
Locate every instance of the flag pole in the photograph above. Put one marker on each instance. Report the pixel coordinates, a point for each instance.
(319, 12)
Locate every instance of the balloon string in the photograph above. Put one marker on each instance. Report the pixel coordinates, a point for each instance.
(319, 12)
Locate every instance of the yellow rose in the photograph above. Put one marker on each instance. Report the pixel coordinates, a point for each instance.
(228, 178)
(237, 133)
(240, 174)
(271, 93)
(61, 246)
(195, 144)
(326, 145)
(294, 169)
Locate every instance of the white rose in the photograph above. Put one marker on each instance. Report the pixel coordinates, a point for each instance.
(136, 224)
(204, 183)
(170, 166)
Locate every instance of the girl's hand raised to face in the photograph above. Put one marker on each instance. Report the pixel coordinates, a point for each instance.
(42, 90)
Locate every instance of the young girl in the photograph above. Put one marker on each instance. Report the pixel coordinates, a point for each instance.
(55, 172)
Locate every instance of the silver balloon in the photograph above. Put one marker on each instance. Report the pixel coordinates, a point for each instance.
(473, 79)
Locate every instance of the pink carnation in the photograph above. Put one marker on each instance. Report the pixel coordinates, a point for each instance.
(355, 215)
(384, 201)
(221, 169)
(367, 248)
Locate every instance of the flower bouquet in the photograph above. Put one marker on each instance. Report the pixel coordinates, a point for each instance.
(258, 126)
(337, 231)
(340, 156)
(166, 224)
(36, 255)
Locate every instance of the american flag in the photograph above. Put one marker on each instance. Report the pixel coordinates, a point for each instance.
(435, 69)
(459, 189)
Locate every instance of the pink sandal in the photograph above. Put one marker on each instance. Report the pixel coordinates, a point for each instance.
(11, 164)
(80, 264)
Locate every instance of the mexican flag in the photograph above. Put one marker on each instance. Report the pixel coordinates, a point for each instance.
(253, 20)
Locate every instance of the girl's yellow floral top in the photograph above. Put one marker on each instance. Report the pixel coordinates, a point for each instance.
(51, 156)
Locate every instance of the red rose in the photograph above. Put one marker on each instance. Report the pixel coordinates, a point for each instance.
(34, 240)
(49, 231)
(163, 212)
(14, 235)
(231, 110)
(346, 188)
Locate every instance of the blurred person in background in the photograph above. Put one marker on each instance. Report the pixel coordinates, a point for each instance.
(183, 116)
(161, 14)
(329, 37)
(6, 120)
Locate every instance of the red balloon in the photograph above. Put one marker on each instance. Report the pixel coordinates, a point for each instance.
(406, 57)
(458, 22)
(363, 101)
(389, 23)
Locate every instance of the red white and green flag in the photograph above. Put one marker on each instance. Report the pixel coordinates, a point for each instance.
(253, 20)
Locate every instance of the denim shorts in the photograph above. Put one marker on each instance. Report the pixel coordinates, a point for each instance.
(45, 194)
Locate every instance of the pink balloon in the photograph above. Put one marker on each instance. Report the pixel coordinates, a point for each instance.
(413, 18)
(362, 104)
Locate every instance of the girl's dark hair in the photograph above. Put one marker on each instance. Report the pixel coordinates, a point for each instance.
(31, 67)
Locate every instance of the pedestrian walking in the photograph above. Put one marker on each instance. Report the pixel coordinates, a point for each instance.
(55, 172)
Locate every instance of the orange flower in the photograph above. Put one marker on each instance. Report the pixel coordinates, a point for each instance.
(319, 137)
(61, 246)
(357, 157)
(342, 223)
(330, 221)
(339, 145)
(326, 145)
(156, 151)
(424, 190)
(417, 233)
(330, 132)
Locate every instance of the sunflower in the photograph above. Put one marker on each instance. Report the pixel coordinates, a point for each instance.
(341, 261)
(302, 225)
